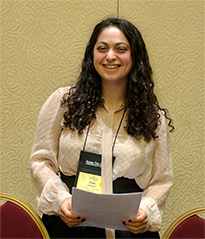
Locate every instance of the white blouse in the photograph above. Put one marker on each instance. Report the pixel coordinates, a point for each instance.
(57, 149)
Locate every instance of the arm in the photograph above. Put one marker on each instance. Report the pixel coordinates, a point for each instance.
(156, 191)
(48, 187)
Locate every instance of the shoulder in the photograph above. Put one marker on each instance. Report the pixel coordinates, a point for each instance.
(59, 93)
(53, 103)
(56, 97)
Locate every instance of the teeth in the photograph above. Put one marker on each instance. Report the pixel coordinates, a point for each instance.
(111, 67)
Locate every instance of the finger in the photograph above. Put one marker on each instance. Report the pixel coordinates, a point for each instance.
(137, 223)
(136, 229)
(72, 222)
(138, 220)
(67, 213)
(70, 219)
(141, 216)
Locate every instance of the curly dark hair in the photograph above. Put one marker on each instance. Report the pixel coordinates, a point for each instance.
(141, 103)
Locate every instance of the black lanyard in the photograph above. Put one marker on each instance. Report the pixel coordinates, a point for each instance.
(118, 129)
(120, 185)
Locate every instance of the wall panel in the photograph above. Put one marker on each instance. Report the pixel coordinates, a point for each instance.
(42, 44)
(174, 34)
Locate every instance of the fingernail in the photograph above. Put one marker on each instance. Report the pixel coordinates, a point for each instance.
(123, 223)
(83, 220)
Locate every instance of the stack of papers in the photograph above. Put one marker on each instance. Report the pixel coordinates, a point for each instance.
(105, 210)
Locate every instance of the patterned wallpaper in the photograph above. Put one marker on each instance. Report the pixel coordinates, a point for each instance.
(174, 33)
(42, 44)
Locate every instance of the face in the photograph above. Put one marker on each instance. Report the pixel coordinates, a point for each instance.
(112, 55)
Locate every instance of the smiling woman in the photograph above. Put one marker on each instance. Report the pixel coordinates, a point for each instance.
(113, 114)
(112, 55)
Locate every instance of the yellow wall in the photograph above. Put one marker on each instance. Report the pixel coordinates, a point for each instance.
(42, 44)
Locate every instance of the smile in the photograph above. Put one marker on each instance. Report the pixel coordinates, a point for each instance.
(111, 66)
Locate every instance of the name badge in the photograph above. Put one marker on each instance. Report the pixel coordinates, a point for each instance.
(89, 182)
(88, 175)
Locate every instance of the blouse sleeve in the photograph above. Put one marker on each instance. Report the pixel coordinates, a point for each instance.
(48, 187)
(156, 192)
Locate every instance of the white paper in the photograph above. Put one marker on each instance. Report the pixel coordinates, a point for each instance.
(105, 210)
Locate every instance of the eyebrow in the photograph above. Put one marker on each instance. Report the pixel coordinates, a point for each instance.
(118, 43)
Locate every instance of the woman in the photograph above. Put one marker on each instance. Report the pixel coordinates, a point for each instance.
(112, 111)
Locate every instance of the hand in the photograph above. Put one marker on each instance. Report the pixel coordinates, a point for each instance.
(67, 216)
(137, 224)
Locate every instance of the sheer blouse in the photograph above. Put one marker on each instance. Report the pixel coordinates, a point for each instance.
(57, 149)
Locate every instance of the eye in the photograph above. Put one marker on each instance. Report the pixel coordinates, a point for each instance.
(121, 49)
(102, 48)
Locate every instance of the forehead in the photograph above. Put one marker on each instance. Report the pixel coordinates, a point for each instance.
(112, 34)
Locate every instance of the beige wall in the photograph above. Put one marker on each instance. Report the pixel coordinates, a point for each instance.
(42, 43)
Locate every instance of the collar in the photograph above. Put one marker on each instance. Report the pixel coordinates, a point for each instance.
(119, 108)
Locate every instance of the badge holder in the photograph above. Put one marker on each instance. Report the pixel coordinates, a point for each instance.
(88, 175)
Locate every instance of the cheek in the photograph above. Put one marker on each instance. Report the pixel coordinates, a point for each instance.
(97, 57)
(97, 60)
(128, 61)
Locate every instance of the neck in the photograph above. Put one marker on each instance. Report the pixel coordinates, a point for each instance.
(114, 94)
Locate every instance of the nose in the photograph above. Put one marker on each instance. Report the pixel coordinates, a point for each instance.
(110, 55)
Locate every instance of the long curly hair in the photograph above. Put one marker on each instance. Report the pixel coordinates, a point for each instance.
(141, 103)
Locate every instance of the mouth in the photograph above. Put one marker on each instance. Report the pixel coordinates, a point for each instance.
(111, 66)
